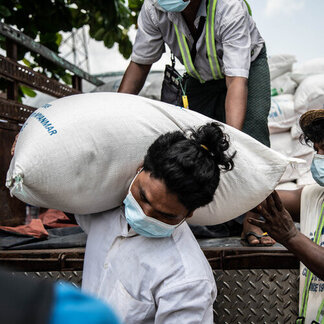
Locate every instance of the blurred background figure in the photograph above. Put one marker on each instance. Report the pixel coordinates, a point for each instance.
(25, 300)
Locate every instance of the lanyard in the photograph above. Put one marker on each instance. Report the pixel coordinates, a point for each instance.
(309, 275)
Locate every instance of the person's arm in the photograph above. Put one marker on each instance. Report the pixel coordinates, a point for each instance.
(279, 224)
(291, 201)
(309, 253)
(134, 78)
(190, 302)
(236, 101)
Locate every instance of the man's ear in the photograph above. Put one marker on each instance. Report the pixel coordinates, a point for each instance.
(190, 214)
(141, 166)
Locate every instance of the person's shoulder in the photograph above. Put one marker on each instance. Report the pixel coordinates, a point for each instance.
(231, 8)
(192, 257)
(86, 221)
(150, 12)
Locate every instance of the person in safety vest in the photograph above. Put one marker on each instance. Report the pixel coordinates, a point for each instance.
(225, 59)
(306, 204)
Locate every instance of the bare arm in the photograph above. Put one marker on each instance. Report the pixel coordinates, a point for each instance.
(291, 201)
(311, 254)
(279, 224)
(236, 101)
(134, 78)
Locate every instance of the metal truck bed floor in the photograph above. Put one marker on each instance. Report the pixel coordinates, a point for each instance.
(255, 284)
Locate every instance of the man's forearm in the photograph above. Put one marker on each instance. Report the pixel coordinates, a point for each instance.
(236, 101)
(309, 253)
(134, 78)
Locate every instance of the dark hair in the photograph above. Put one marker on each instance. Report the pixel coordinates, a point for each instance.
(314, 132)
(190, 165)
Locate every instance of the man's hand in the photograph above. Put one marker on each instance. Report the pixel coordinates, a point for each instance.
(12, 151)
(278, 222)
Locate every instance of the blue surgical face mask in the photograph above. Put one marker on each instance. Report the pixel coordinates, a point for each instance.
(142, 224)
(317, 169)
(171, 5)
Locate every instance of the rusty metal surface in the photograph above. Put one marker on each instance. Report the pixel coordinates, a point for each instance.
(43, 260)
(256, 296)
(20, 38)
(15, 71)
(11, 110)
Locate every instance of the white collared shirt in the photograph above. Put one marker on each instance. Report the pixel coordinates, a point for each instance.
(147, 280)
(312, 198)
(238, 41)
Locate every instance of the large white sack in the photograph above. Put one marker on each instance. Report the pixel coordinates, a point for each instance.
(84, 162)
(282, 114)
(280, 64)
(292, 148)
(283, 84)
(308, 68)
(310, 94)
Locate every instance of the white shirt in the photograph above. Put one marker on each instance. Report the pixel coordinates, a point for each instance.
(238, 41)
(312, 199)
(147, 280)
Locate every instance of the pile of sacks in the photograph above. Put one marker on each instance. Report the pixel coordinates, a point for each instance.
(294, 90)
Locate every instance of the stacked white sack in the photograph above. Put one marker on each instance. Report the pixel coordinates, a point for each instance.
(282, 114)
(310, 94)
(84, 161)
(280, 64)
(308, 68)
(283, 84)
(287, 108)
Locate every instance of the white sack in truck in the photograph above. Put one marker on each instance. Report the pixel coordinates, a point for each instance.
(310, 94)
(283, 84)
(308, 68)
(79, 154)
(280, 64)
(282, 114)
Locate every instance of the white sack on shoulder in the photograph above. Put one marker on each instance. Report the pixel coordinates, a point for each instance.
(79, 153)
(282, 114)
(310, 94)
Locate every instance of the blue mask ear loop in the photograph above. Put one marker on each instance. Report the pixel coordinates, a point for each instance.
(181, 222)
(138, 172)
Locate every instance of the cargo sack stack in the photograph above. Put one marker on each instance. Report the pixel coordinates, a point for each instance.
(295, 91)
(282, 114)
(79, 154)
(280, 64)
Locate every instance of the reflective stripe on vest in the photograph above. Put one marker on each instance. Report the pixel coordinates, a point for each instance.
(186, 57)
(320, 314)
(210, 41)
(309, 275)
